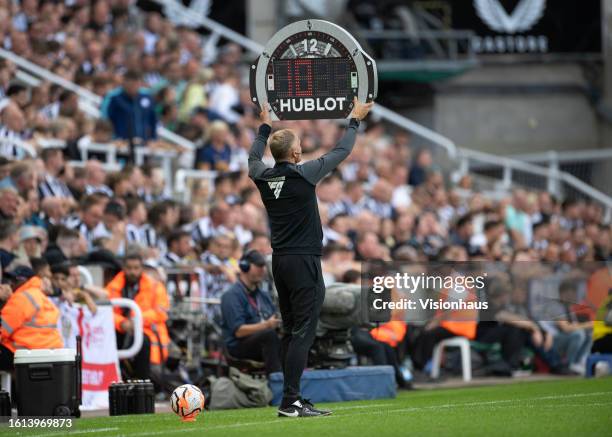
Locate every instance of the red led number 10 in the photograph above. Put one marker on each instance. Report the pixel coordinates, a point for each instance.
(299, 73)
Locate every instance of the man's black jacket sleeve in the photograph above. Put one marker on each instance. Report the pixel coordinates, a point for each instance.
(315, 170)
(256, 165)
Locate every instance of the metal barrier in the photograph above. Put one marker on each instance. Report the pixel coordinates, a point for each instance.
(114, 167)
(180, 181)
(433, 50)
(552, 178)
(138, 331)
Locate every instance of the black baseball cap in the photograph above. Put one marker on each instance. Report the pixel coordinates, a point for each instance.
(19, 274)
(255, 257)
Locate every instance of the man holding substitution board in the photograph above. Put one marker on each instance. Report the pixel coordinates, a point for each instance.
(288, 192)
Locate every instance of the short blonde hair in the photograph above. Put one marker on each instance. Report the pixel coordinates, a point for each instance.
(281, 142)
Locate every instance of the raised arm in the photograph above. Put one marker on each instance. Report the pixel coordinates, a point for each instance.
(315, 170)
(256, 165)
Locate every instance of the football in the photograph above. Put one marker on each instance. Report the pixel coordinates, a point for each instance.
(187, 401)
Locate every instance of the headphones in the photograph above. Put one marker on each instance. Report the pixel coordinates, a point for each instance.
(245, 263)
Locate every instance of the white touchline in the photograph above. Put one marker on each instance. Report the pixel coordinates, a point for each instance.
(63, 432)
(398, 410)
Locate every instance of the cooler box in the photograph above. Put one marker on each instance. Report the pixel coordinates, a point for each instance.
(47, 382)
(337, 385)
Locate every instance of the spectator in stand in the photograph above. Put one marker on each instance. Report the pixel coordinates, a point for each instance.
(463, 233)
(31, 239)
(215, 155)
(22, 178)
(221, 269)
(517, 221)
(571, 337)
(96, 178)
(89, 221)
(132, 111)
(136, 212)
(214, 225)
(420, 167)
(225, 97)
(12, 130)
(9, 242)
(69, 244)
(162, 218)
(195, 95)
(51, 184)
(179, 247)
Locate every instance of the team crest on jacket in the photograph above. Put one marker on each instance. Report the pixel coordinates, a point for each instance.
(276, 185)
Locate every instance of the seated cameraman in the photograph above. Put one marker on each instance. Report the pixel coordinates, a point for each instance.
(249, 324)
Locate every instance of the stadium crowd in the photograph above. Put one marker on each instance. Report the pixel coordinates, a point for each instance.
(388, 201)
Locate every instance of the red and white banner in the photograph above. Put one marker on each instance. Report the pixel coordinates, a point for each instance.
(100, 361)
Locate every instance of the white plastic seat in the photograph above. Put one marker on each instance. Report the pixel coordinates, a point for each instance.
(466, 363)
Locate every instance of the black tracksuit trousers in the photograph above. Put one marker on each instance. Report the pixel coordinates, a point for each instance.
(299, 282)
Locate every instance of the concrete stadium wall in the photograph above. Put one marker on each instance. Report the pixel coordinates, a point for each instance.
(518, 109)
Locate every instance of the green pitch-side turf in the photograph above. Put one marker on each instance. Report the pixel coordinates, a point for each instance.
(574, 407)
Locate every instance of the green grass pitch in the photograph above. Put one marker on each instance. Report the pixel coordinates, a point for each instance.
(575, 407)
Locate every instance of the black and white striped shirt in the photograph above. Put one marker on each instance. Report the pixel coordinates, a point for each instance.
(204, 229)
(9, 144)
(135, 234)
(152, 239)
(214, 284)
(381, 209)
(90, 235)
(53, 187)
(171, 259)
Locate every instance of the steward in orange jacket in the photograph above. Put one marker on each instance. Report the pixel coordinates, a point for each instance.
(29, 319)
(152, 298)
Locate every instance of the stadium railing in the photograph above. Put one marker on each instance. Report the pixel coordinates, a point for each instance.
(551, 179)
(182, 176)
(130, 352)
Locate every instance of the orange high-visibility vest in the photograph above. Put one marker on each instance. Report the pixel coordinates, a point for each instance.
(460, 322)
(152, 298)
(392, 332)
(29, 319)
(598, 286)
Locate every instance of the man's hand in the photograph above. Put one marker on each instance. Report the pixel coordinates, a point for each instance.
(360, 110)
(128, 326)
(264, 115)
(536, 338)
(272, 323)
(548, 341)
(5, 292)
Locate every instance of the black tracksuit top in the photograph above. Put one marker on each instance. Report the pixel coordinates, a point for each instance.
(288, 192)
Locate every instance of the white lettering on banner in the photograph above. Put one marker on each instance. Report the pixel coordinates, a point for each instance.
(310, 104)
(92, 377)
(510, 44)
